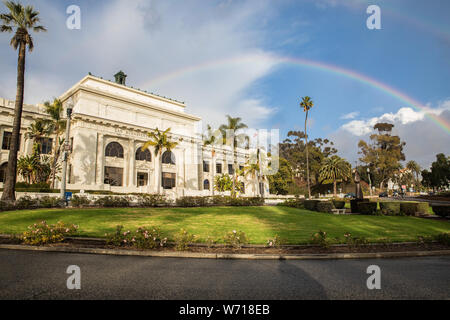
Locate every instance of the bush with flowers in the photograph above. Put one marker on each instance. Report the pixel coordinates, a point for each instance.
(276, 242)
(321, 239)
(143, 238)
(236, 239)
(182, 240)
(43, 233)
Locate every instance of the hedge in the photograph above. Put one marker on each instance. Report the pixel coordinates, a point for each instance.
(325, 206)
(441, 210)
(354, 204)
(390, 208)
(368, 208)
(410, 208)
(311, 204)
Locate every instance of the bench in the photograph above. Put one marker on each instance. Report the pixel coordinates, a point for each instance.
(339, 211)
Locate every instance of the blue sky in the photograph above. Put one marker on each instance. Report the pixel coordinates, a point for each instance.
(150, 39)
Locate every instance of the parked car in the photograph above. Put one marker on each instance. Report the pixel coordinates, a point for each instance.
(350, 195)
(383, 195)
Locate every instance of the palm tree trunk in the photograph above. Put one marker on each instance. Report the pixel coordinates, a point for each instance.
(335, 188)
(55, 159)
(9, 193)
(213, 167)
(160, 173)
(307, 157)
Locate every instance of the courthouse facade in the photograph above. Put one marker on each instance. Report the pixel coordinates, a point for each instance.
(110, 123)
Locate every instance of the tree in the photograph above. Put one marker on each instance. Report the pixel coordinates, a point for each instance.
(439, 176)
(160, 141)
(334, 169)
(383, 155)
(211, 140)
(232, 137)
(280, 181)
(307, 104)
(20, 20)
(415, 169)
(56, 126)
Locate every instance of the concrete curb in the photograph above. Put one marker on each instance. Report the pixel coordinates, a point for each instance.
(229, 256)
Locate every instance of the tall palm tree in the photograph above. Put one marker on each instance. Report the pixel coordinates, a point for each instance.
(160, 141)
(252, 170)
(415, 168)
(232, 127)
(20, 20)
(335, 168)
(36, 132)
(210, 139)
(56, 126)
(307, 104)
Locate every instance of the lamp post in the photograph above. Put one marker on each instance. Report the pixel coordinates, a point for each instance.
(370, 181)
(69, 109)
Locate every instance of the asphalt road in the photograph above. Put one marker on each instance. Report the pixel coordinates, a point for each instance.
(42, 275)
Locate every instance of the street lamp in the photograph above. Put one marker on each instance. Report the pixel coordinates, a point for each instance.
(370, 181)
(69, 109)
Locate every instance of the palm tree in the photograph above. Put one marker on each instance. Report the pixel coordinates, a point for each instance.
(335, 168)
(160, 141)
(307, 104)
(252, 170)
(21, 20)
(210, 140)
(415, 168)
(232, 126)
(26, 166)
(57, 126)
(36, 132)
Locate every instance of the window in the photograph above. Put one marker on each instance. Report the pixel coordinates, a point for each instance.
(142, 179)
(261, 189)
(6, 145)
(143, 155)
(230, 169)
(3, 169)
(242, 187)
(241, 168)
(45, 145)
(205, 166)
(206, 185)
(218, 168)
(114, 176)
(168, 157)
(168, 180)
(114, 149)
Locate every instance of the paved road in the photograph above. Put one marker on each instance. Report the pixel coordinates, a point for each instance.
(42, 275)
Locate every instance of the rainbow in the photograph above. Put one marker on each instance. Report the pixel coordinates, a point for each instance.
(279, 60)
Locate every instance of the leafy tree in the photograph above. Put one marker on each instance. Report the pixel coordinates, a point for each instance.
(280, 181)
(20, 20)
(230, 132)
(160, 141)
(334, 169)
(383, 154)
(307, 104)
(439, 176)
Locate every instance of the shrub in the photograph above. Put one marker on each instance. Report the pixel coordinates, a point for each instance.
(37, 187)
(183, 239)
(320, 239)
(325, 206)
(50, 202)
(442, 211)
(143, 238)
(80, 201)
(339, 204)
(354, 204)
(293, 203)
(409, 208)
(113, 202)
(220, 200)
(443, 238)
(367, 208)
(311, 204)
(355, 241)
(235, 239)
(390, 208)
(42, 233)
(26, 202)
(210, 242)
(276, 242)
(186, 202)
(151, 200)
(423, 208)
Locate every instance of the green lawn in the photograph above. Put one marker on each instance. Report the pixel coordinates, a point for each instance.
(259, 223)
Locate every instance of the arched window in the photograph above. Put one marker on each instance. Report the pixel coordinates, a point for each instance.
(168, 157)
(143, 155)
(3, 169)
(206, 185)
(114, 149)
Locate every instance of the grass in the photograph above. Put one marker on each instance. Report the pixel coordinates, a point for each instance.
(259, 223)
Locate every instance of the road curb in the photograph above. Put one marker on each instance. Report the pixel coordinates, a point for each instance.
(229, 256)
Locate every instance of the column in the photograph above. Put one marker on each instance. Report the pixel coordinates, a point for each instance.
(132, 167)
(100, 159)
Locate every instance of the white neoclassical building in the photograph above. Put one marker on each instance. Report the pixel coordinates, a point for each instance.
(110, 123)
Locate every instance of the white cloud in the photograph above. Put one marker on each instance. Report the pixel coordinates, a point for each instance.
(351, 115)
(150, 39)
(424, 138)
